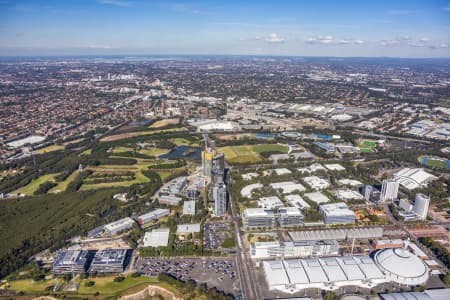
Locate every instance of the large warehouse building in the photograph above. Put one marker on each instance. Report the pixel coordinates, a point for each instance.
(292, 275)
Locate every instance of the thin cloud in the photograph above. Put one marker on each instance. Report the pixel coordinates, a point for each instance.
(115, 3)
(407, 41)
(447, 8)
(330, 40)
(273, 38)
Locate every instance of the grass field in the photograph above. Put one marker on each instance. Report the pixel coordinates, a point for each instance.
(122, 149)
(30, 188)
(154, 151)
(127, 135)
(164, 123)
(86, 152)
(250, 153)
(104, 286)
(62, 186)
(184, 142)
(50, 148)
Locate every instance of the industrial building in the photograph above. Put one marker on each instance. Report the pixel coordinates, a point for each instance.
(413, 178)
(292, 275)
(317, 197)
(389, 190)
(337, 213)
(248, 190)
(316, 183)
(189, 207)
(288, 187)
(436, 294)
(337, 234)
(270, 202)
(289, 216)
(348, 195)
(153, 215)
(157, 238)
(262, 250)
(312, 168)
(334, 167)
(175, 186)
(184, 229)
(169, 199)
(119, 226)
(110, 261)
(220, 199)
(72, 261)
(297, 201)
(258, 217)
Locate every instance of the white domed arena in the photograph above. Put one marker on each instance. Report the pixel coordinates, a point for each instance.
(400, 265)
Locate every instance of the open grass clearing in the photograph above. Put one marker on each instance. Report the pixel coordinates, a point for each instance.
(165, 122)
(184, 142)
(154, 151)
(250, 153)
(50, 148)
(62, 186)
(128, 135)
(30, 188)
(122, 149)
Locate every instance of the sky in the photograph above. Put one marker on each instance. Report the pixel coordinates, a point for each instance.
(370, 28)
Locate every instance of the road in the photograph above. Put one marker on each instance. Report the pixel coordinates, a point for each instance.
(244, 263)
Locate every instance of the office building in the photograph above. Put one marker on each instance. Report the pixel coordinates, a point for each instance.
(421, 205)
(389, 190)
(169, 199)
(153, 216)
(258, 217)
(72, 261)
(110, 261)
(119, 226)
(218, 168)
(270, 202)
(290, 216)
(207, 161)
(337, 213)
(220, 199)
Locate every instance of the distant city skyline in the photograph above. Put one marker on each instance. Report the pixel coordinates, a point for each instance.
(414, 28)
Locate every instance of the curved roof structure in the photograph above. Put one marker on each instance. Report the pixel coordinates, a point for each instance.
(402, 266)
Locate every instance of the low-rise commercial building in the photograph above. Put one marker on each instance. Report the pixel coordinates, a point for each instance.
(258, 217)
(290, 216)
(157, 238)
(153, 215)
(337, 213)
(72, 261)
(110, 261)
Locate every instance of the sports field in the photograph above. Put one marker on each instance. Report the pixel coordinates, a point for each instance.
(435, 162)
(250, 153)
(50, 148)
(30, 188)
(367, 146)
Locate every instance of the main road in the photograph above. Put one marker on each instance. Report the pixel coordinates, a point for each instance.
(249, 284)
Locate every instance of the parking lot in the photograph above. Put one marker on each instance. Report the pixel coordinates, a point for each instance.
(215, 272)
(214, 233)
